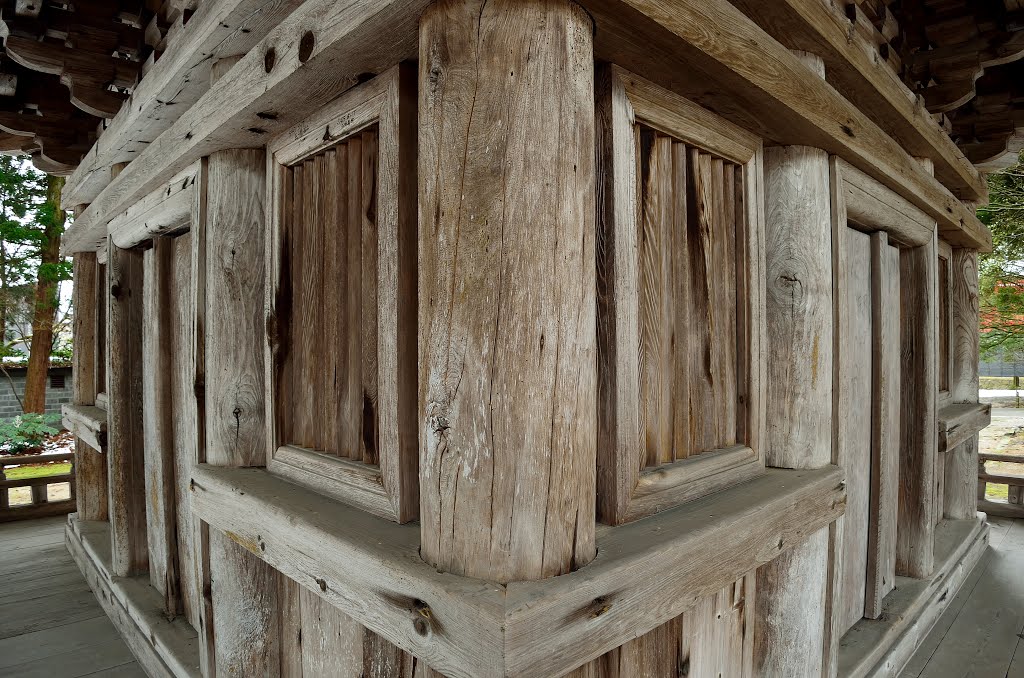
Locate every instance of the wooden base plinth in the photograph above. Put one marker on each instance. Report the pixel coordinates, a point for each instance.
(165, 649)
(881, 647)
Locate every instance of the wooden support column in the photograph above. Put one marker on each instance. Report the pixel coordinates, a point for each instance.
(963, 280)
(125, 447)
(790, 630)
(507, 288)
(915, 536)
(961, 497)
(90, 465)
(244, 589)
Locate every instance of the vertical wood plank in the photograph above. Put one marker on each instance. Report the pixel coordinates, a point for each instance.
(185, 420)
(617, 294)
(327, 210)
(789, 635)
(352, 401)
(245, 596)
(656, 302)
(397, 364)
(234, 407)
(368, 304)
(126, 443)
(915, 538)
(885, 429)
(854, 417)
(699, 340)
(84, 300)
(944, 328)
(102, 312)
(157, 423)
(332, 642)
(507, 328)
(679, 264)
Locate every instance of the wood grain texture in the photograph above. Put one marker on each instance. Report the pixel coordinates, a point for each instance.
(799, 307)
(854, 416)
(961, 498)
(125, 449)
(245, 603)
(90, 466)
(964, 318)
(186, 424)
(646, 573)
(157, 420)
(84, 300)
(714, 638)
(885, 427)
(918, 313)
(761, 85)
(507, 328)
(790, 626)
(356, 393)
(679, 236)
(234, 320)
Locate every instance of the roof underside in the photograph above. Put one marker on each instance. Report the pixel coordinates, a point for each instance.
(68, 66)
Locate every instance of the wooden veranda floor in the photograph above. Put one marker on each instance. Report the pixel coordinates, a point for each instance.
(50, 624)
(52, 627)
(980, 634)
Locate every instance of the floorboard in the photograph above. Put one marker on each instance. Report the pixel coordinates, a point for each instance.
(50, 623)
(979, 635)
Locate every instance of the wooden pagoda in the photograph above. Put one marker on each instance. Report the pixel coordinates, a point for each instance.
(482, 338)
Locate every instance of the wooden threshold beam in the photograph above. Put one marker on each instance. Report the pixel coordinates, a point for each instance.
(881, 647)
(88, 423)
(855, 67)
(958, 422)
(269, 90)
(176, 81)
(462, 626)
(712, 53)
(164, 648)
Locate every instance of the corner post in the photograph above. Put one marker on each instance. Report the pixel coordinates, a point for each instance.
(507, 336)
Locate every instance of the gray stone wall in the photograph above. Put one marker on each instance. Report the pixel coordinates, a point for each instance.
(55, 397)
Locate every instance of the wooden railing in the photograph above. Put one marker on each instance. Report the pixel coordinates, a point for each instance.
(40, 505)
(1014, 506)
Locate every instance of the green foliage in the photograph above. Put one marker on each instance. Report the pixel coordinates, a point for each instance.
(1001, 289)
(26, 432)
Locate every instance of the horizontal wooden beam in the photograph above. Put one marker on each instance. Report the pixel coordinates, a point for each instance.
(874, 207)
(88, 423)
(1002, 479)
(267, 91)
(646, 572)
(33, 511)
(164, 648)
(37, 481)
(959, 422)
(176, 81)
(36, 459)
(1004, 458)
(712, 53)
(1001, 508)
(165, 210)
(855, 67)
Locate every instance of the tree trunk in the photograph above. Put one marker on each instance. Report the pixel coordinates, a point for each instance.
(45, 309)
